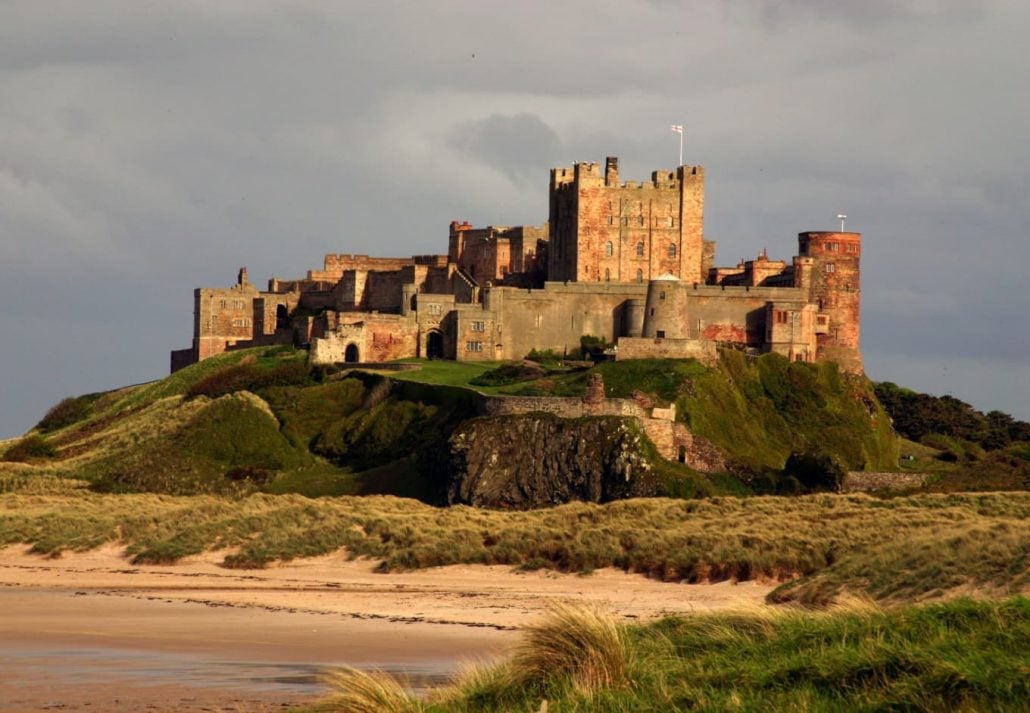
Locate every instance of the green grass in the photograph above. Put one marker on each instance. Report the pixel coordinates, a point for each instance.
(901, 549)
(442, 372)
(962, 655)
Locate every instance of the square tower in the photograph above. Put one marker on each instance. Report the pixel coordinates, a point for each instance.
(604, 230)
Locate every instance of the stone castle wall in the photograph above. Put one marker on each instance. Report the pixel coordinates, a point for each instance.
(860, 481)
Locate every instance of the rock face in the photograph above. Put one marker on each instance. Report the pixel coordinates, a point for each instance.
(536, 460)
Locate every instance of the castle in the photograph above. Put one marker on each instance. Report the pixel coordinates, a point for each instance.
(623, 261)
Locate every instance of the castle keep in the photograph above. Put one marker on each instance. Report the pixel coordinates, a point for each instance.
(623, 261)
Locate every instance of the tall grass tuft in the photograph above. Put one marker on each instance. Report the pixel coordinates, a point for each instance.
(357, 691)
(576, 641)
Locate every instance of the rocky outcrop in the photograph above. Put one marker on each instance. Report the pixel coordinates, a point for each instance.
(536, 460)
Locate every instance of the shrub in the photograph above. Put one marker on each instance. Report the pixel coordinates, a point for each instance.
(250, 377)
(510, 373)
(545, 356)
(66, 412)
(591, 346)
(815, 472)
(30, 448)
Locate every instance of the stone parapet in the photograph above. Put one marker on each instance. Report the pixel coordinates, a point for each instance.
(858, 481)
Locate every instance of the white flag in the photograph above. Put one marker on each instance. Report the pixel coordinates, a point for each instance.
(678, 128)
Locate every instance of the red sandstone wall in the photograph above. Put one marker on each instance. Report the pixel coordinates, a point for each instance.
(629, 232)
(835, 287)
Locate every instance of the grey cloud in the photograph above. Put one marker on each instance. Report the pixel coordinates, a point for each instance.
(520, 146)
(147, 148)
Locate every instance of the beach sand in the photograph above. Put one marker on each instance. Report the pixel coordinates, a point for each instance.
(92, 632)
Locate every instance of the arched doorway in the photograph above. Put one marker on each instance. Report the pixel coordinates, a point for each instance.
(682, 455)
(350, 354)
(434, 345)
(282, 317)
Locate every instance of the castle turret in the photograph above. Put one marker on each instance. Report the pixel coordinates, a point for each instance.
(833, 284)
(665, 315)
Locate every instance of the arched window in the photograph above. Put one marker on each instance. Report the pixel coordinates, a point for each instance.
(672, 250)
(640, 275)
(640, 249)
(607, 273)
(609, 249)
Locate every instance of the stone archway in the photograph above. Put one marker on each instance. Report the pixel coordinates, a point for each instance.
(351, 355)
(434, 345)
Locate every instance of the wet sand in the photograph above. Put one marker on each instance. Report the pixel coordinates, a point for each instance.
(91, 632)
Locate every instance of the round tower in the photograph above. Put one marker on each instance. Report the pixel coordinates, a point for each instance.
(834, 286)
(665, 315)
(633, 317)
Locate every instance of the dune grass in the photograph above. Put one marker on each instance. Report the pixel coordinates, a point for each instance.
(962, 655)
(900, 549)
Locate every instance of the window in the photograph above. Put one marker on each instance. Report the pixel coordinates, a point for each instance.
(672, 222)
(672, 250)
(830, 267)
(640, 275)
(479, 326)
(609, 249)
(433, 308)
(607, 275)
(221, 303)
(821, 319)
(781, 316)
(660, 334)
(833, 247)
(661, 295)
(625, 220)
(473, 346)
(611, 220)
(640, 220)
(852, 248)
(640, 249)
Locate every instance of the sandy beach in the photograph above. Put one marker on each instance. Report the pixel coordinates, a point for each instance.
(92, 632)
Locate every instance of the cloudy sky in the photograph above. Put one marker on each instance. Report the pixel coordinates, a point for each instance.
(147, 148)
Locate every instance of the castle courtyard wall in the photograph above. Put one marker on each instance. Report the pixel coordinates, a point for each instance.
(556, 316)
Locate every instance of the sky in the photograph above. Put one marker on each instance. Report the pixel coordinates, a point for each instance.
(148, 148)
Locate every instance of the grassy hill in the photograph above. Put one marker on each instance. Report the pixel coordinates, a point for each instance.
(262, 420)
